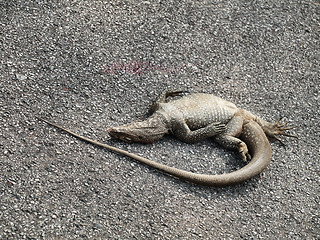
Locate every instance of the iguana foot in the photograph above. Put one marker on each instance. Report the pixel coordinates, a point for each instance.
(244, 153)
(275, 129)
(215, 128)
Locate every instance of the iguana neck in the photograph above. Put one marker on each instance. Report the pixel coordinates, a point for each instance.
(147, 131)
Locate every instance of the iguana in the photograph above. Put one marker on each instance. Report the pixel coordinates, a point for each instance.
(196, 117)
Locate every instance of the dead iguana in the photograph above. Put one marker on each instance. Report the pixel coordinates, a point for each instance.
(193, 118)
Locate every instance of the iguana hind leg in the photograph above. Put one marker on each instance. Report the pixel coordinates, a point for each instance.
(182, 131)
(229, 140)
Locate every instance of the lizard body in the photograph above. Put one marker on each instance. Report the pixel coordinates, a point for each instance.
(196, 117)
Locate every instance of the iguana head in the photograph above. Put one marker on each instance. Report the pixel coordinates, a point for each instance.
(146, 131)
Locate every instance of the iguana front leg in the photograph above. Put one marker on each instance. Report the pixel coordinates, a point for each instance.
(182, 131)
(162, 98)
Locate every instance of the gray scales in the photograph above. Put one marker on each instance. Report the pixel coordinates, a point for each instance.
(196, 117)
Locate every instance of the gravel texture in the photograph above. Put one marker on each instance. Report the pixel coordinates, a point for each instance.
(89, 65)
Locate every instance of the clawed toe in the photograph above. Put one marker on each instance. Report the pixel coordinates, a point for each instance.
(289, 135)
(281, 125)
(279, 140)
(245, 157)
(248, 157)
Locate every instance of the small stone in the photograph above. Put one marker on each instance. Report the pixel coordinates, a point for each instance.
(21, 77)
(97, 226)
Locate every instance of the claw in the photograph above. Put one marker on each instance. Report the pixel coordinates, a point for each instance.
(289, 135)
(287, 128)
(248, 157)
(282, 125)
(243, 157)
(278, 139)
(277, 121)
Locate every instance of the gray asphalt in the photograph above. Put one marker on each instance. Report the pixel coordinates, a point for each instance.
(89, 65)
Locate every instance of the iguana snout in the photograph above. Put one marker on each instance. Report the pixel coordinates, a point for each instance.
(146, 131)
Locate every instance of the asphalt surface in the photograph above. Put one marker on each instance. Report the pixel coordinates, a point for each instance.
(89, 65)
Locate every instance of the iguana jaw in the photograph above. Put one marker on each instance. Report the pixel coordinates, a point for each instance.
(146, 131)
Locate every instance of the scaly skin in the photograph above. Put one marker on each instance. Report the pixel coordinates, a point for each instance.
(192, 119)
